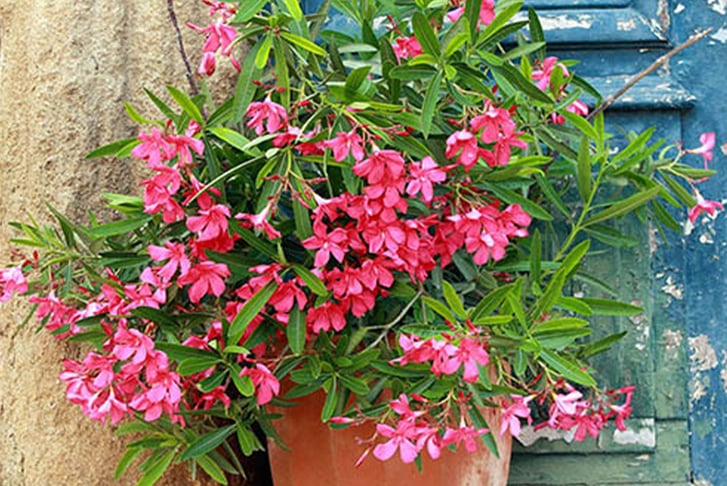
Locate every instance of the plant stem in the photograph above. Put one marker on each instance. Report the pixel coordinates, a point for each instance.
(180, 44)
(653, 67)
(387, 327)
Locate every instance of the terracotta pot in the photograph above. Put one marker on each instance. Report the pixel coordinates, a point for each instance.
(320, 456)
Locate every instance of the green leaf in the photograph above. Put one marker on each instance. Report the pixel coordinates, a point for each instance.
(536, 31)
(120, 227)
(522, 50)
(134, 115)
(262, 55)
(511, 197)
(601, 345)
(126, 460)
(154, 315)
(430, 103)
(211, 468)
(329, 406)
(583, 170)
(525, 86)
(425, 35)
(355, 80)
(245, 89)
(453, 300)
(248, 441)
(559, 324)
(248, 9)
(259, 244)
(356, 385)
(472, 14)
(611, 236)
(679, 191)
(580, 123)
(248, 312)
(207, 442)
(567, 369)
(608, 307)
(311, 280)
(296, 330)
(625, 206)
(243, 383)
(187, 104)
(302, 42)
(155, 471)
(439, 308)
(191, 366)
(180, 352)
(164, 108)
(574, 305)
(294, 10)
(111, 148)
(233, 138)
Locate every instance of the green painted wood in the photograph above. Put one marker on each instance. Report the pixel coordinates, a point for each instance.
(667, 464)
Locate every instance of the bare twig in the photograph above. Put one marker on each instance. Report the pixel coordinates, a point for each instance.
(188, 69)
(653, 67)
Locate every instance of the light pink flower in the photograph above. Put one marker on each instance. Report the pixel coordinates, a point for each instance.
(177, 258)
(345, 143)
(705, 150)
(401, 438)
(464, 143)
(206, 278)
(266, 384)
(406, 47)
(513, 412)
(424, 175)
(704, 206)
(266, 116)
(12, 281)
(210, 223)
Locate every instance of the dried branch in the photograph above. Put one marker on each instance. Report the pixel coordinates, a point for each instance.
(653, 67)
(188, 69)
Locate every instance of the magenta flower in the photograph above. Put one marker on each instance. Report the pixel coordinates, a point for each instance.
(177, 258)
(12, 281)
(211, 223)
(704, 206)
(705, 150)
(542, 76)
(487, 12)
(469, 353)
(220, 38)
(345, 143)
(464, 143)
(266, 384)
(401, 438)
(406, 47)
(266, 116)
(206, 278)
(424, 175)
(466, 434)
(513, 412)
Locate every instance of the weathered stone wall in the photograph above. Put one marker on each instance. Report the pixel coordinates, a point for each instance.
(66, 66)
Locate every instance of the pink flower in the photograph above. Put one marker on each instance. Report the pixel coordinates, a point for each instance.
(466, 434)
(220, 37)
(326, 317)
(487, 12)
(542, 76)
(345, 143)
(405, 47)
(401, 438)
(512, 413)
(183, 145)
(211, 223)
(705, 150)
(327, 244)
(12, 281)
(464, 143)
(704, 206)
(266, 116)
(266, 384)
(260, 222)
(424, 175)
(177, 256)
(130, 343)
(469, 353)
(153, 148)
(206, 278)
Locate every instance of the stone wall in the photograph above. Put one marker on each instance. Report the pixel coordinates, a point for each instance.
(66, 66)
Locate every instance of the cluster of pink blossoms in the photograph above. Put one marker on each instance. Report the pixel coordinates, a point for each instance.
(413, 433)
(447, 355)
(220, 37)
(131, 376)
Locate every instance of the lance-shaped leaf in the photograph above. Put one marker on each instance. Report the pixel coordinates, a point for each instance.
(306, 44)
(425, 35)
(187, 104)
(207, 442)
(296, 330)
(248, 312)
(567, 369)
(625, 206)
(583, 170)
(430, 103)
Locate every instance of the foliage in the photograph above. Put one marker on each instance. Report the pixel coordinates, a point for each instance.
(398, 210)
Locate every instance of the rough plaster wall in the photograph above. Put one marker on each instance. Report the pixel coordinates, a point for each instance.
(66, 66)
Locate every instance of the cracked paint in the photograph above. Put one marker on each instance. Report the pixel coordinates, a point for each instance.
(720, 35)
(703, 357)
(645, 436)
(626, 25)
(564, 21)
(529, 436)
(672, 343)
(719, 6)
(643, 327)
(672, 289)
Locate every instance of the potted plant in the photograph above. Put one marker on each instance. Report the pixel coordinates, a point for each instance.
(380, 228)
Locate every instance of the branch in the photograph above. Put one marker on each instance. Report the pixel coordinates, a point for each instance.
(188, 69)
(656, 64)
